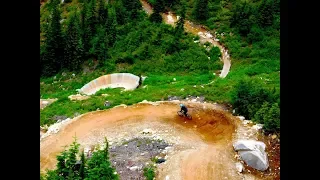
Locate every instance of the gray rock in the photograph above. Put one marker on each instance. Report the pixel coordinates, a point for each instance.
(255, 159)
(249, 145)
(252, 153)
(239, 167)
(107, 103)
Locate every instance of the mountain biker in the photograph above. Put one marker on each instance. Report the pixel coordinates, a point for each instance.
(184, 109)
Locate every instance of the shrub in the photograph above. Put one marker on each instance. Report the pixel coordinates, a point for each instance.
(149, 173)
(249, 97)
(68, 166)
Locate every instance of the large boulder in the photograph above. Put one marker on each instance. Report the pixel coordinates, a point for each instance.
(247, 145)
(252, 153)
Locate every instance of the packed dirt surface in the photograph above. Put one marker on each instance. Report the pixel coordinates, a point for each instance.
(204, 34)
(202, 146)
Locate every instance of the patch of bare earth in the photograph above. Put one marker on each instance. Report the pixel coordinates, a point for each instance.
(201, 147)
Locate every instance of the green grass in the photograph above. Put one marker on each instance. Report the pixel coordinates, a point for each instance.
(157, 87)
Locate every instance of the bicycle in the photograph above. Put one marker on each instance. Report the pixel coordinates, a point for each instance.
(187, 115)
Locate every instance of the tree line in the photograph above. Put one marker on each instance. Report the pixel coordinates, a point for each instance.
(91, 30)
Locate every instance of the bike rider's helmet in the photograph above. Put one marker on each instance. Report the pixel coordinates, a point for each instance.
(181, 105)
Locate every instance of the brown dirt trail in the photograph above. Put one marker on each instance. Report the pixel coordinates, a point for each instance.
(203, 148)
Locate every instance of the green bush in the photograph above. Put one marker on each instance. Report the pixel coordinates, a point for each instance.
(149, 173)
(248, 97)
(269, 115)
(255, 35)
(97, 167)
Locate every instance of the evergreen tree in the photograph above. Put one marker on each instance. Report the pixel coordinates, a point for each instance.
(201, 10)
(99, 44)
(111, 27)
(54, 45)
(62, 169)
(82, 171)
(159, 6)
(155, 17)
(74, 49)
(266, 10)
(99, 166)
(179, 29)
(120, 12)
(102, 12)
(132, 7)
(89, 25)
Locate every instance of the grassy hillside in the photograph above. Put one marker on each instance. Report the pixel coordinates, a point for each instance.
(139, 46)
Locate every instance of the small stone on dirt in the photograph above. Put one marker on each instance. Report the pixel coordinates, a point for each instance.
(133, 168)
(274, 136)
(239, 167)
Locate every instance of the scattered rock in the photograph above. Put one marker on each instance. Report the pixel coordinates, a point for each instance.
(171, 98)
(64, 74)
(257, 126)
(134, 168)
(174, 79)
(121, 105)
(239, 167)
(57, 118)
(246, 122)
(274, 136)
(241, 118)
(161, 160)
(167, 177)
(107, 103)
(105, 95)
(78, 97)
(147, 131)
(143, 78)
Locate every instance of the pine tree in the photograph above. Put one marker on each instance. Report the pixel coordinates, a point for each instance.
(99, 166)
(120, 12)
(132, 7)
(54, 45)
(111, 27)
(82, 171)
(266, 10)
(179, 29)
(201, 10)
(74, 49)
(159, 6)
(62, 169)
(90, 24)
(102, 12)
(99, 44)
